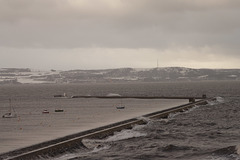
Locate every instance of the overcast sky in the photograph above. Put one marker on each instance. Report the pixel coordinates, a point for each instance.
(98, 34)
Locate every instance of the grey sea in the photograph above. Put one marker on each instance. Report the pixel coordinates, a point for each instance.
(205, 132)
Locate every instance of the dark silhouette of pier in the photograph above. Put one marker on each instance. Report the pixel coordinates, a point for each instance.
(191, 99)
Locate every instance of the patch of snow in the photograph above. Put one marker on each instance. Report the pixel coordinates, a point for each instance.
(29, 80)
(203, 76)
(116, 78)
(113, 95)
(184, 71)
(182, 77)
(232, 76)
(99, 73)
(141, 69)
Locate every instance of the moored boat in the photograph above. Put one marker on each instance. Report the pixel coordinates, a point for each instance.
(59, 110)
(11, 113)
(64, 95)
(45, 111)
(120, 107)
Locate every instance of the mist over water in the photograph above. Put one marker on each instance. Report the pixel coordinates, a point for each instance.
(205, 132)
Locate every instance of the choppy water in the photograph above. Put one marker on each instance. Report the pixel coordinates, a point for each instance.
(206, 132)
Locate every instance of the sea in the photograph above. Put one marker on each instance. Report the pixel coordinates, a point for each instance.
(207, 132)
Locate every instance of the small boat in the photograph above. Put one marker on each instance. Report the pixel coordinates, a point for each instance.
(11, 113)
(120, 107)
(64, 95)
(59, 110)
(45, 111)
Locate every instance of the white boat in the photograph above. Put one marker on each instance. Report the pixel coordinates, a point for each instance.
(11, 113)
(45, 111)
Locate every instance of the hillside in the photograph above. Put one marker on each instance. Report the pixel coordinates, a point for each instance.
(26, 75)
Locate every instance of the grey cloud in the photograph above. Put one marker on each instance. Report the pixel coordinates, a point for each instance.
(135, 24)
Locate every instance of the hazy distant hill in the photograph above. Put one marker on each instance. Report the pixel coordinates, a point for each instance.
(16, 75)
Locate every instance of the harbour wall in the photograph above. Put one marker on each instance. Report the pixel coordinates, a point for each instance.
(61, 145)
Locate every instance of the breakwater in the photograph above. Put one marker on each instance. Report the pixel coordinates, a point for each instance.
(61, 145)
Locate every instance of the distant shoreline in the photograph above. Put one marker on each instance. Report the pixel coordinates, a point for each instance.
(129, 75)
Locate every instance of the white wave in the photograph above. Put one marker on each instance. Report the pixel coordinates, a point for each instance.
(100, 148)
(238, 149)
(163, 120)
(231, 157)
(125, 134)
(97, 144)
(192, 109)
(102, 144)
(92, 143)
(138, 127)
(145, 119)
(218, 100)
(66, 156)
(172, 115)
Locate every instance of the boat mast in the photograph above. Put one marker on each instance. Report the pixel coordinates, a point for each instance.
(10, 105)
